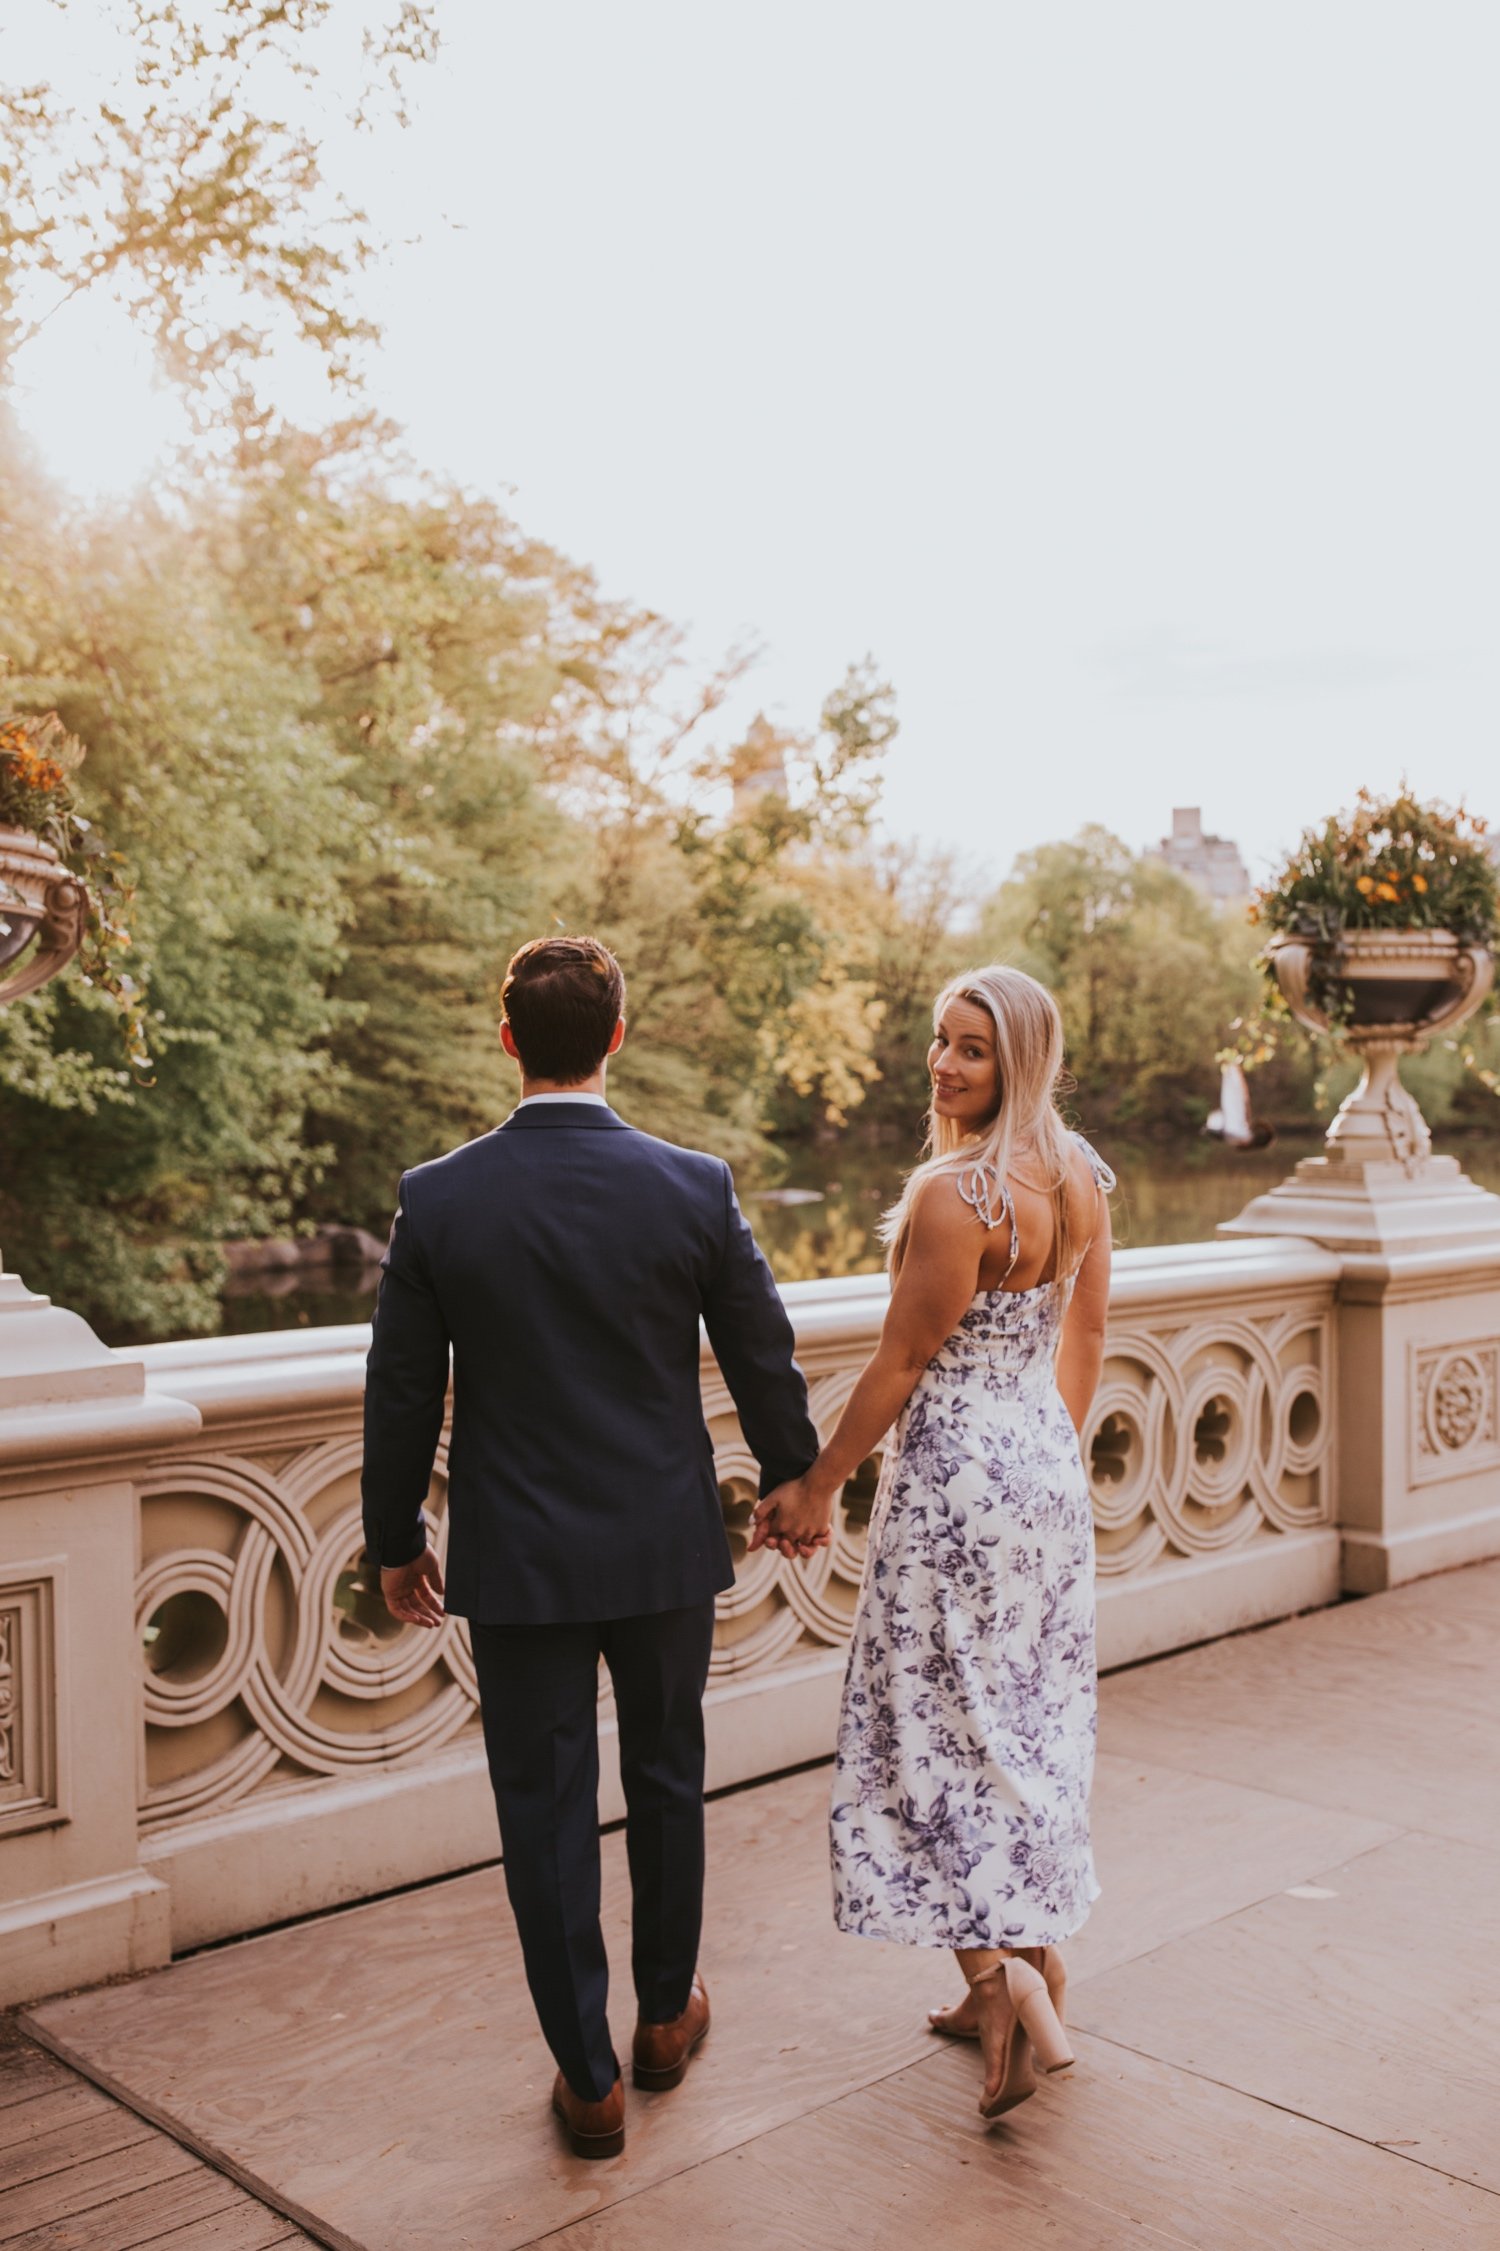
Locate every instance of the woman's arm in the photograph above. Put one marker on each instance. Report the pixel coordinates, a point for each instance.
(1080, 1355)
(938, 1278)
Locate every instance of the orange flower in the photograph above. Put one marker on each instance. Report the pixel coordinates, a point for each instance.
(1419, 883)
(1365, 884)
(1386, 891)
(35, 772)
(32, 770)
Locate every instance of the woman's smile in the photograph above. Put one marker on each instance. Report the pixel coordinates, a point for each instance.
(961, 1061)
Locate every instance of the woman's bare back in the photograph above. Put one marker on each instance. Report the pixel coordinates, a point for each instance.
(1034, 1241)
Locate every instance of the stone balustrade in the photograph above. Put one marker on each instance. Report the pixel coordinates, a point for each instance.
(180, 1595)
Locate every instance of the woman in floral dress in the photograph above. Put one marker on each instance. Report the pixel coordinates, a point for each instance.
(966, 1738)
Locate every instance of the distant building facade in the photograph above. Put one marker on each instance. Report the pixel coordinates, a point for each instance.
(1212, 864)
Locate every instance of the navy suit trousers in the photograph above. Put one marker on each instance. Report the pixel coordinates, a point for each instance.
(538, 1690)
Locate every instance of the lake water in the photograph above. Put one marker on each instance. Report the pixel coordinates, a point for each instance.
(1166, 1195)
(1173, 1195)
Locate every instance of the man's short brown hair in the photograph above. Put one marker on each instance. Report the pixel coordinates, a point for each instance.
(562, 999)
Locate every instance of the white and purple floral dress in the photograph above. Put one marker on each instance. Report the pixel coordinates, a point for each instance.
(966, 1734)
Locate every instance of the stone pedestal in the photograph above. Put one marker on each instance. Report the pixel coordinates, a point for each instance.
(76, 1905)
(1418, 1298)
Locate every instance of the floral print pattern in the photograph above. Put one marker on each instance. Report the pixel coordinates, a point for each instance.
(966, 1734)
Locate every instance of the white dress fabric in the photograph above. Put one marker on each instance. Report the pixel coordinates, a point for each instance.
(966, 1733)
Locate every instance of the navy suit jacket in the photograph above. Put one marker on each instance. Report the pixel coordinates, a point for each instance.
(566, 1261)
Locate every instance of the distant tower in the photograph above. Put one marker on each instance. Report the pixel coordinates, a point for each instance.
(759, 768)
(1212, 864)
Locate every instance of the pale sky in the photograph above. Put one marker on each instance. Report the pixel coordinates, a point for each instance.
(1125, 378)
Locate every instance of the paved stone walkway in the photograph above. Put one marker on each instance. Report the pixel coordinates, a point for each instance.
(1286, 2007)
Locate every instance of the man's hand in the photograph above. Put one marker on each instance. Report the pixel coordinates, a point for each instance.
(792, 1521)
(414, 1591)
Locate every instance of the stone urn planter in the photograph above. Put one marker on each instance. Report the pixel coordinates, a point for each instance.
(1384, 993)
(41, 901)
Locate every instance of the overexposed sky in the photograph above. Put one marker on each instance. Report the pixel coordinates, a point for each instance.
(1124, 378)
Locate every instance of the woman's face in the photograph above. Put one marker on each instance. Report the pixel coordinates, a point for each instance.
(961, 1059)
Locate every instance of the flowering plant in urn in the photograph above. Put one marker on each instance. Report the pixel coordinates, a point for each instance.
(1383, 927)
(62, 892)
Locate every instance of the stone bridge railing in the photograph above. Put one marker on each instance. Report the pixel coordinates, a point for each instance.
(208, 1722)
(297, 1746)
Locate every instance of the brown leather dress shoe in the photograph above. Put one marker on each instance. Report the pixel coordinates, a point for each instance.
(662, 2052)
(595, 2129)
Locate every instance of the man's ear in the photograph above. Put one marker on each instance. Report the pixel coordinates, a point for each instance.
(508, 1040)
(616, 1037)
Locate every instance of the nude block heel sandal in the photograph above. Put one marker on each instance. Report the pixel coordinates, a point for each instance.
(1047, 1959)
(1033, 2005)
(1019, 2079)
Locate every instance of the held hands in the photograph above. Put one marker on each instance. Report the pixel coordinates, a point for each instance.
(414, 1591)
(793, 1520)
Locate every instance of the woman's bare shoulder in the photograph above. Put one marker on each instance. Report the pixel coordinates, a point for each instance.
(947, 1205)
(1084, 1153)
(940, 1206)
(1087, 1191)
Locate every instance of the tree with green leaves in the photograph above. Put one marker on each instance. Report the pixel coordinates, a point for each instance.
(197, 193)
(1148, 976)
(358, 737)
(390, 736)
(232, 811)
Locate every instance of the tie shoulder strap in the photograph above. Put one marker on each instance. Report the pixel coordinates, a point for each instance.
(1100, 1170)
(982, 1188)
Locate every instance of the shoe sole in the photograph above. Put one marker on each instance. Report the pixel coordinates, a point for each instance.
(1006, 2103)
(661, 2082)
(591, 2145)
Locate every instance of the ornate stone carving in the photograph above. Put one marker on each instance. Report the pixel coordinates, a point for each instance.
(1207, 1433)
(30, 1792)
(777, 1611)
(266, 1659)
(267, 1663)
(39, 900)
(263, 1656)
(1453, 1419)
(1458, 1402)
(1400, 987)
(10, 1699)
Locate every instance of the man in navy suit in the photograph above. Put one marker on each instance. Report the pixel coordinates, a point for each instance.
(565, 1260)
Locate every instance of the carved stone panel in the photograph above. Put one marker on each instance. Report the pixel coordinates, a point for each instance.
(779, 1612)
(268, 1661)
(1454, 1418)
(266, 1656)
(30, 1776)
(1208, 1432)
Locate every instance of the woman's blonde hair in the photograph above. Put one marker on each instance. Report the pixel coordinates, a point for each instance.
(1029, 1066)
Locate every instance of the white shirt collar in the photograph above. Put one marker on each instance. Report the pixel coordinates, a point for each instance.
(531, 1098)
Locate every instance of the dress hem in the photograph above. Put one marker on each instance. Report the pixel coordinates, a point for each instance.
(1053, 1935)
